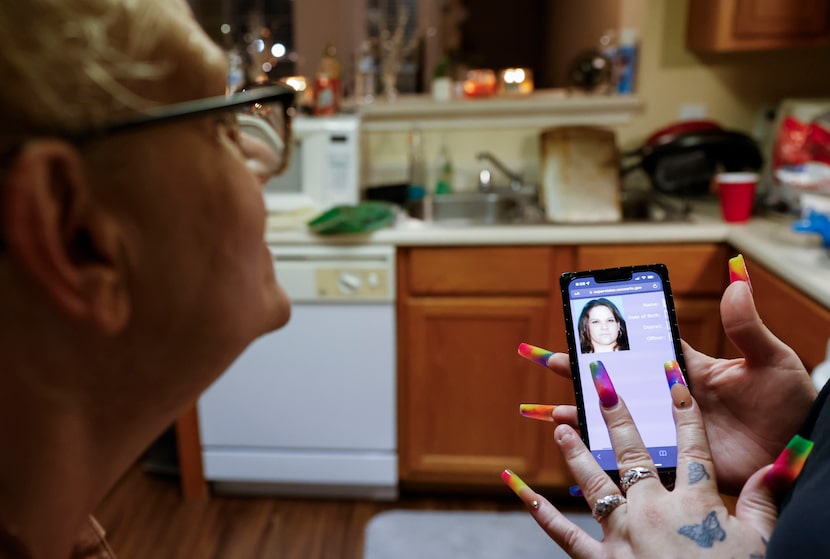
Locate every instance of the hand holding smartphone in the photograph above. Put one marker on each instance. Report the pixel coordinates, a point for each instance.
(623, 321)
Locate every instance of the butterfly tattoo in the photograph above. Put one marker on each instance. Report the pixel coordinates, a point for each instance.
(697, 472)
(706, 533)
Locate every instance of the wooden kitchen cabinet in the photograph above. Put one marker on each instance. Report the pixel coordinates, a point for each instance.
(740, 25)
(462, 314)
(796, 319)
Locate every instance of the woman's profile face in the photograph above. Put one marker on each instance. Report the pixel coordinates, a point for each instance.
(603, 328)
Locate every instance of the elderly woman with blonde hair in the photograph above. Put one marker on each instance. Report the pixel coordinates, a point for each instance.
(133, 267)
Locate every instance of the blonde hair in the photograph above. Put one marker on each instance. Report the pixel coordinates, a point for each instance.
(71, 64)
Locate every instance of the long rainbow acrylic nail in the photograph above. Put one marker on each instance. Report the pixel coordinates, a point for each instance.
(520, 488)
(738, 271)
(541, 412)
(514, 482)
(605, 388)
(673, 373)
(789, 464)
(681, 396)
(535, 354)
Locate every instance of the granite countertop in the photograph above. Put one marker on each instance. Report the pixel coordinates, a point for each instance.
(796, 258)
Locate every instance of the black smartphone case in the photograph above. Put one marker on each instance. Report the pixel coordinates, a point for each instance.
(608, 275)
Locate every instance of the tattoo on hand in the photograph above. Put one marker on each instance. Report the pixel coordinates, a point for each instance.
(697, 472)
(760, 555)
(706, 533)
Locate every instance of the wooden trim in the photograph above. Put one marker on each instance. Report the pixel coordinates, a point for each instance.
(191, 474)
(403, 369)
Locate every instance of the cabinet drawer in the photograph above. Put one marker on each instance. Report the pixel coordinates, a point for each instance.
(480, 270)
(694, 269)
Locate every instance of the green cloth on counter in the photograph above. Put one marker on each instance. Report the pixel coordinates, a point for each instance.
(364, 217)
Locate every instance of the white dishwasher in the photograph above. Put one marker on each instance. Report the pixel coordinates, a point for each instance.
(310, 409)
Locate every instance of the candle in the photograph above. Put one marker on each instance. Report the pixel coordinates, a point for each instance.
(516, 81)
(480, 83)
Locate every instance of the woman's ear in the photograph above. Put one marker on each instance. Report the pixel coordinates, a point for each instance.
(62, 238)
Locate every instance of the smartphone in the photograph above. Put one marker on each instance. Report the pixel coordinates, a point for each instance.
(625, 319)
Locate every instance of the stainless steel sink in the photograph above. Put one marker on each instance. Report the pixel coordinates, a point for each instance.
(505, 206)
(496, 207)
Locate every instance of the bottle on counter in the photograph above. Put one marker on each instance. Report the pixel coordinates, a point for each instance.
(627, 54)
(609, 47)
(444, 183)
(416, 194)
(364, 83)
(327, 83)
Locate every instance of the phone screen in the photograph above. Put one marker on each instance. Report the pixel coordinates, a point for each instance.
(625, 318)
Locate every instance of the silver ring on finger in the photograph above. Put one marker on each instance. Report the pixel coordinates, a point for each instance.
(606, 505)
(634, 475)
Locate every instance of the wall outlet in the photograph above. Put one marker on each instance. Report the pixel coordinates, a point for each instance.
(692, 111)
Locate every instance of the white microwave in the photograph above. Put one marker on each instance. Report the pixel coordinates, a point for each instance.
(324, 169)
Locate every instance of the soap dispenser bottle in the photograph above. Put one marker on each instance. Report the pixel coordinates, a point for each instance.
(444, 183)
(416, 194)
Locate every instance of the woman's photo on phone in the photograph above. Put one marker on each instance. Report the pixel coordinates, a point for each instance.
(602, 327)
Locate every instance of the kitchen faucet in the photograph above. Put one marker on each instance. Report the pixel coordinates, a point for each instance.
(485, 176)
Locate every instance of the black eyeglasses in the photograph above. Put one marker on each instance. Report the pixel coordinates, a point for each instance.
(282, 95)
(268, 108)
(265, 110)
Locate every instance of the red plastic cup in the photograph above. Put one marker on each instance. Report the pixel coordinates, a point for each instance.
(737, 194)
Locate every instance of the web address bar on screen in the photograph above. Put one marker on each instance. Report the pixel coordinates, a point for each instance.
(616, 290)
(613, 290)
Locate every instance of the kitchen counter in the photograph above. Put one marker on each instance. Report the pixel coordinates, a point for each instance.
(796, 258)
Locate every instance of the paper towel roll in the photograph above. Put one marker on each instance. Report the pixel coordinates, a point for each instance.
(580, 175)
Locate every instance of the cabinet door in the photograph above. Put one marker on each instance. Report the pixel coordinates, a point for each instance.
(462, 384)
(783, 20)
(799, 321)
(699, 323)
(735, 25)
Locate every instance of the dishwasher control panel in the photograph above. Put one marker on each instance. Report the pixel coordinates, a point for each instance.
(349, 274)
(352, 282)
